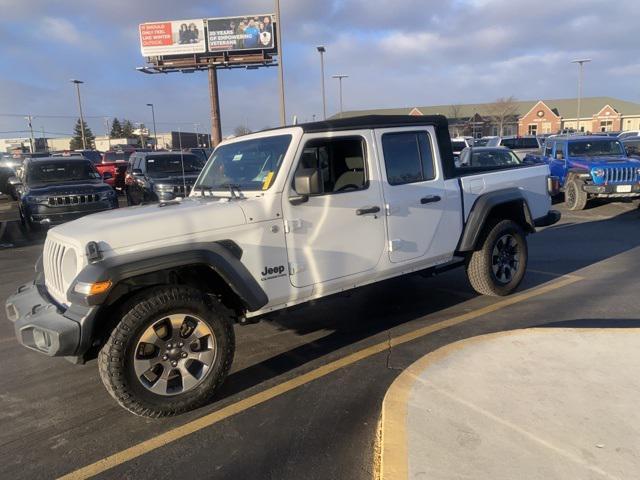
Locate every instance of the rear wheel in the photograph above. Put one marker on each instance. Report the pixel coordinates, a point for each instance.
(575, 198)
(170, 352)
(498, 267)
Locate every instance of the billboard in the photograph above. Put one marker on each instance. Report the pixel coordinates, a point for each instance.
(236, 34)
(178, 37)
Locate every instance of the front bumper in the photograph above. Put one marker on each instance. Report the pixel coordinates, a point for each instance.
(42, 325)
(614, 190)
(50, 216)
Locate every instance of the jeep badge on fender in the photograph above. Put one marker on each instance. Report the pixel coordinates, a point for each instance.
(277, 271)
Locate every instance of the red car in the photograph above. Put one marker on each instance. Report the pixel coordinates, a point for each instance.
(115, 162)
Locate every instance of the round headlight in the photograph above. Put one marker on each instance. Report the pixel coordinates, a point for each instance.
(69, 266)
(598, 172)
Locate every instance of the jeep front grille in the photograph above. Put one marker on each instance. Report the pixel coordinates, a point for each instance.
(178, 190)
(73, 199)
(620, 175)
(52, 261)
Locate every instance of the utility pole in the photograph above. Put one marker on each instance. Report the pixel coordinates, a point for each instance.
(29, 119)
(321, 49)
(44, 139)
(283, 111)
(155, 133)
(340, 77)
(216, 129)
(84, 140)
(106, 129)
(580, 63)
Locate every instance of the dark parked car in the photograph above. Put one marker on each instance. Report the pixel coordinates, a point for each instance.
(203, 153)
(160, 176)
(55, 190)
(487, 157)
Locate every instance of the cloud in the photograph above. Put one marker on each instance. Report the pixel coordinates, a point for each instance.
(58, 29)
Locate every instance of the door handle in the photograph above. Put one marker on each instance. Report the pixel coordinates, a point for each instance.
(366, 210)
(430, 199)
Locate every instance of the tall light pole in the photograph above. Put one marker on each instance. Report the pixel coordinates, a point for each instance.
(340, 77)
(155, 133)
(106, 131)
(321, 49)
(84, 139)
(32, 143)
(283, 110)
(580, 63)
(195, 126)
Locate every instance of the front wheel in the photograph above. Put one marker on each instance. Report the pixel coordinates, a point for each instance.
(498, 267)
(170, 352)
(575, 198)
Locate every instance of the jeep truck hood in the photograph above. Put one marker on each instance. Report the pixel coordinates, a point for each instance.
(128, 227)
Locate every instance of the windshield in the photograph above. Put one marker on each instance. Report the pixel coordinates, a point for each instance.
(60, 172)
(164, 165)
(480, 142)
(458, 145)
(117, 156)
(494, 158)
(596, 148)
(248, 165)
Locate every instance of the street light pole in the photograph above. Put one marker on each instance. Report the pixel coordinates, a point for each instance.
(580, 63)
(29, 118)
(321, 49)
(155, 133)
(106, 130)
(195, 126)
(283, 110)
(340, 77)
(84, 139)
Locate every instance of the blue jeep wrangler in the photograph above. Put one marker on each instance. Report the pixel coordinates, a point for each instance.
(590, 166)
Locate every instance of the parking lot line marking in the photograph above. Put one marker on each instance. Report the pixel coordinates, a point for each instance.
(210, 419)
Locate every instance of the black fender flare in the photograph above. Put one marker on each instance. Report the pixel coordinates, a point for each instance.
(482, 209)
(223, 257)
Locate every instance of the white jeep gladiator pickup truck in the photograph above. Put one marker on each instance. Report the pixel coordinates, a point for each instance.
(276, 218)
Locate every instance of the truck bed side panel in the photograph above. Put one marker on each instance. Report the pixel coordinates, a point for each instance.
(531, 181)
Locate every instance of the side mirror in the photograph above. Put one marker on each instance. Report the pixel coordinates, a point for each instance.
(14, 181)
(306, 182)
(107, 175)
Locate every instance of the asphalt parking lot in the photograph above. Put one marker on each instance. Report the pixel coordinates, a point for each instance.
(303, 399)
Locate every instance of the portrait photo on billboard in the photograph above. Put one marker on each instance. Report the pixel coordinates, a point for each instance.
(177, 37)
(250, 32)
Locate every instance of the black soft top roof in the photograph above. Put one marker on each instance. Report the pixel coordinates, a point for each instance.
(439, 122)
(374, 121)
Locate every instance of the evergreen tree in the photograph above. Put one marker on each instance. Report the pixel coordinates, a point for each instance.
(76, 141)
(116, 129)
(127, 129)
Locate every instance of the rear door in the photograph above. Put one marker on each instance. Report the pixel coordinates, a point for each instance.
(423, 211)
(340, 233)
(558, 161)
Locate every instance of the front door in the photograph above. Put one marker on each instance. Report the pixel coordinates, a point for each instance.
(417, 201)
(339, 233)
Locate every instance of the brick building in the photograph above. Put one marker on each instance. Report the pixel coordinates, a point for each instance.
(531, 117)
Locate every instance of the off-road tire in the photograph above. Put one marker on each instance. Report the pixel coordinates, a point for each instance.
(480, 263)
(575, 198)
(115, 360)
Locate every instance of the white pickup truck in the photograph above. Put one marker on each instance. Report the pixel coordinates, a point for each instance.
(276, 218)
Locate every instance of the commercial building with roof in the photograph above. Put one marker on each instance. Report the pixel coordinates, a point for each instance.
(529, 117)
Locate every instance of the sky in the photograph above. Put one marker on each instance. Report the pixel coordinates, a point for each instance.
(399, 53)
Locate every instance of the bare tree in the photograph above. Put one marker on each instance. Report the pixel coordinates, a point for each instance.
(241, 130)
(502, 111)
(454, 117)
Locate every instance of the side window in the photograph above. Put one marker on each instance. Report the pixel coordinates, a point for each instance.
(341, 162)
(548, 149)
(559, 151)
(408, 157)
(509, 143)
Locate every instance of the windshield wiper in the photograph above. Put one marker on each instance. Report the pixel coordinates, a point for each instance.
(233, 187)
